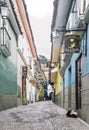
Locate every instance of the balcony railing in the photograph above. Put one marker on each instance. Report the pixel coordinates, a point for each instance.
(5, 43)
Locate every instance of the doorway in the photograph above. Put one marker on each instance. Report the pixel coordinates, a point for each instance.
(63, 92)
(78, 82)
(69, 87)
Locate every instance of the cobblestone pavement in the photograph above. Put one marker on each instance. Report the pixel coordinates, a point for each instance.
(39, 116)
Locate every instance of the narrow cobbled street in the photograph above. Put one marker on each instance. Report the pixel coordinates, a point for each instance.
(39, 116)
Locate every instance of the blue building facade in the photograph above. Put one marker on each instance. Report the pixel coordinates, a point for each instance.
(75, 81)
(72, 18)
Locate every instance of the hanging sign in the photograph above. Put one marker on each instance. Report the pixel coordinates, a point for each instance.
(71, 42)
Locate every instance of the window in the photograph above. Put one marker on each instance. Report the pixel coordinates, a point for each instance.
(5, 42)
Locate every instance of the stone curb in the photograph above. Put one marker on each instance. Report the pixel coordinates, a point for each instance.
(85, 123)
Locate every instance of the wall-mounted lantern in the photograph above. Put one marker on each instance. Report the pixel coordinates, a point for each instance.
(52, 64)
(4, 11)
(6, 39)
(4, 14)
(55, 34)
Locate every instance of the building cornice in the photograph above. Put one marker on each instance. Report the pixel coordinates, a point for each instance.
(55, 4)
(16, 18)
(25, 20)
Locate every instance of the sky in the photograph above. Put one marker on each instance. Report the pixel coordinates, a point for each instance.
(40, 16)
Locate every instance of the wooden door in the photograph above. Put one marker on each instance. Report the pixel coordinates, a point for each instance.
(78, 83)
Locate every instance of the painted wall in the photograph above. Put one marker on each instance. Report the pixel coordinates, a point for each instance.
(85, 59)
(70, 80)
(8, 69)
(58, 83)
(8, 75)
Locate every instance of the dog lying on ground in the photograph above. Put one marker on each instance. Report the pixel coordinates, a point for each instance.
(72, 113)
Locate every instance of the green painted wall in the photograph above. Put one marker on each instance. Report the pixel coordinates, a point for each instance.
(8, 68)
(8, 80)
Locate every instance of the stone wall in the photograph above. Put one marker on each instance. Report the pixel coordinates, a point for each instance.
(85, 99)
(7, 101)
(58, 99)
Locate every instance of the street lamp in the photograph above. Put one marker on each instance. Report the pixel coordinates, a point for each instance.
(55, 33)
(4, 13)
(52, 65)
(5, 37)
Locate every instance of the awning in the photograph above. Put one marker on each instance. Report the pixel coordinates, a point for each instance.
(54, 74)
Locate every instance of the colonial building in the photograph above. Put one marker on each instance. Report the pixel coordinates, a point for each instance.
(26, 52)
(9, 31)
(70, 28)
(17, 53)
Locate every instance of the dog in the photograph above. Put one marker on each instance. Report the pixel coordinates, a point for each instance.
(72, 113)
